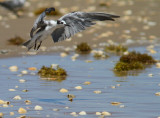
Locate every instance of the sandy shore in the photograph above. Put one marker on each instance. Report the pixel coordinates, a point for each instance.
(138, 25)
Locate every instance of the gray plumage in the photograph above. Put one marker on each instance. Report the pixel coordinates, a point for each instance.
(78, 21)
(65, 27)
(13, 5)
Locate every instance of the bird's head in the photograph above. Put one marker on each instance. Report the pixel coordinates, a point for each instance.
(49, 10)
(61, 22)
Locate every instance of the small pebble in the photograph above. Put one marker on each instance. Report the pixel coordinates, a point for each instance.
(87, 83)
(11, 89)
(22, 80)
(55, 109)
(63, 90)
(5, 105)
(11, 113)
(78, 87)
(1, 114)
(28, 102)
(98, 113)
(158, 65)
(113, 87)
(150, 75)
(22, 111)
(105, 113)
(2, 102)
(37, 107)
(97, 92)
(82, 113)
(63, 54)
(17, 97)
(32, 68)
(25, 90)
(157, 94)
(118, 85)
(122, 106)
(24, 72)
(116, 103)
(13, 68)
(73, 113)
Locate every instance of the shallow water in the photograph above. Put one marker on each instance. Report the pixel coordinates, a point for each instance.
(136, 93)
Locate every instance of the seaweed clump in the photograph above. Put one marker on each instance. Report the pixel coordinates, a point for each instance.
(16, 40)
(83, 48)
(42, 9)
(134, 61)
(118, 49)
(51, 73)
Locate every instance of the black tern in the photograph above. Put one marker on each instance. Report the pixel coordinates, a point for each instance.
(13, 5)
(64, 28)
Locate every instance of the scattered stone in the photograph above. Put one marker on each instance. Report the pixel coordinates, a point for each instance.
(66, 107)
(150, 75)
(2, 102)
(73, 114)
(24, 72)
(118, 85)
(38, 108)
(28, 102)
(11, 113)
(97, 92)
(13, 68)
(11, 89)
(25, 90)
(63, 54)
(78, 87)
(63, 90)
(5, 105)
(32, 68)
(82, 113)
(22, 111)
(105, 113)
(87, 83)
(98, 113)
(17, 97)
(158, 65)
(88, 61)
(22, 80)
(157, 94)
(122, 106)
(55, 109)
(1, 114)
(116, 103)
(113, 87)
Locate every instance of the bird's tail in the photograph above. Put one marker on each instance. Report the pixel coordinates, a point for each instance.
(29, 44)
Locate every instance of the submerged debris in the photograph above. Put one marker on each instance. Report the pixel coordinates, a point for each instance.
(83, 48)
(42, 9)
(16, 40)
(51, 73)
(134, 61)
(118, 49)
(71, 97)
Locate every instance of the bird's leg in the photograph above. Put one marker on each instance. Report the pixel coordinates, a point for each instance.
(39, 45)
(35, 45)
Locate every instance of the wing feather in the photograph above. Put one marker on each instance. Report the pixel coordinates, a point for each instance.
(77, 22)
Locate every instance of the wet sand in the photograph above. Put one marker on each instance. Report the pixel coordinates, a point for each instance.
(138, 25)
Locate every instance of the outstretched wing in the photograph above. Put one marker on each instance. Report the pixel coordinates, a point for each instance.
(39, 22)
(78, 21)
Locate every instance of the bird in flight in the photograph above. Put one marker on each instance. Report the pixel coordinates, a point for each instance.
(13, 5)
(64, 28)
